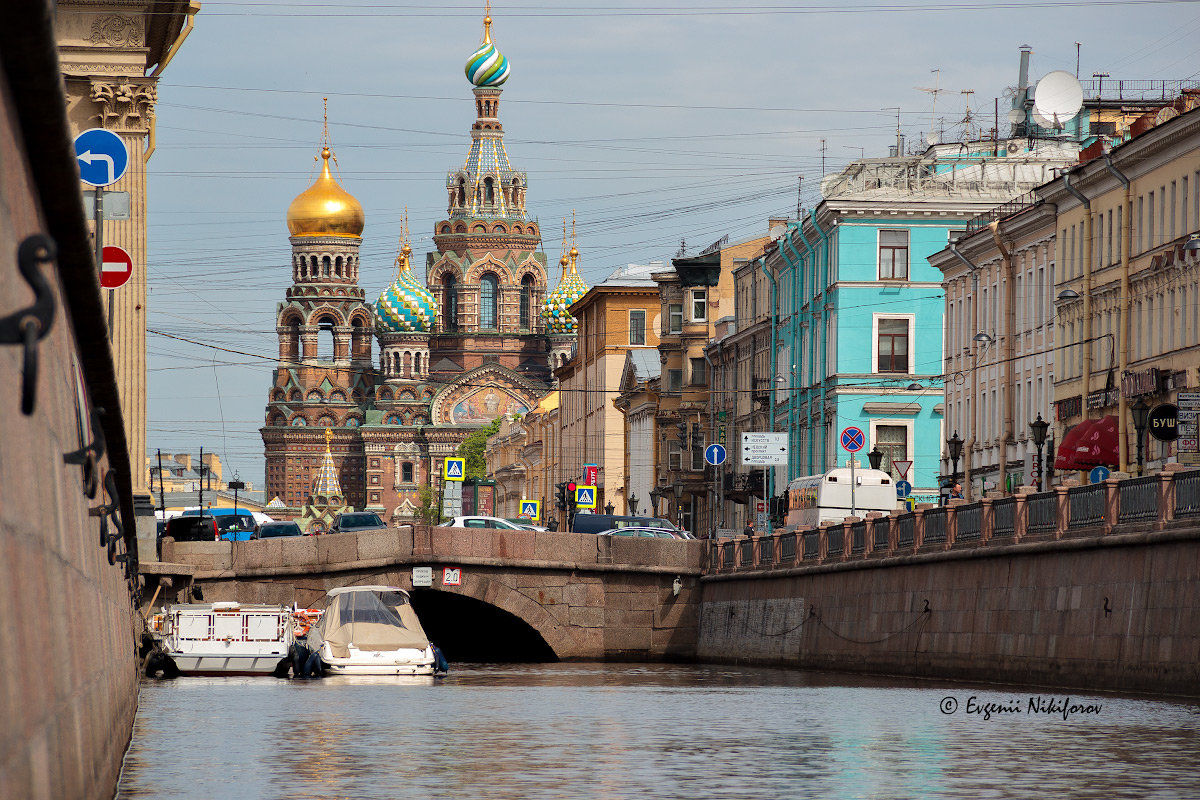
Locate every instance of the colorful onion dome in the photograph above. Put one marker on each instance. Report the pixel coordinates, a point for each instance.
(325, 208)
(487, 66)
(406, 306)
(570, 288)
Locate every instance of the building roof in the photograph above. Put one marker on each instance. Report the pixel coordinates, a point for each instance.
(635, 275)
(646, 363)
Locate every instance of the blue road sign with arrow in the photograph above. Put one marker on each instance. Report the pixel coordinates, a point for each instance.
(1098, 474)
(903, 489)
(714, 454)
(103, 157)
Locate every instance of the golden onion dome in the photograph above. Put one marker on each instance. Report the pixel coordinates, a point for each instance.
(325, 208)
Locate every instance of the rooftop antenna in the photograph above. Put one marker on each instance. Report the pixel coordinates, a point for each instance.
(899, 135)
(934, 92)
(1078, 45)
(967, 118)
(800, 193)
(822, 158)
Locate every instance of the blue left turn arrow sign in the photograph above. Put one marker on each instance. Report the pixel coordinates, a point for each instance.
(102, 156)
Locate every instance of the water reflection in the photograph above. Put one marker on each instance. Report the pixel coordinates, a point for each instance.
(624, 731)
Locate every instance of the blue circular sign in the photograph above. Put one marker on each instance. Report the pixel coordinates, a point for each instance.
(903, 489)
(853, 439)
(102, 157)
(714, 454)
(1098, 474)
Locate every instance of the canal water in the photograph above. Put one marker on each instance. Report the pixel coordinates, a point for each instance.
(569, 730)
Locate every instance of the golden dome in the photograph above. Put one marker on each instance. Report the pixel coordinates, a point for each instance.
(325, 208)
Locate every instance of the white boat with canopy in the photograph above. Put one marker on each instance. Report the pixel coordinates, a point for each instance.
(372, 630)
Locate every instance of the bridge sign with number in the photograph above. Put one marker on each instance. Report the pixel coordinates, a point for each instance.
(853, 439)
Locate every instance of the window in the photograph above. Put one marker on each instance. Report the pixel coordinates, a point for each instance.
(893, 255)
(892, 441)
(697, 454)
(675, 314)
(893, 345)
(526, 300)
(699, 376)
(488, 299)
(449, 303)
(699, 305)
(406, 472)
(674, 455)
(674, 380)
(637, 326)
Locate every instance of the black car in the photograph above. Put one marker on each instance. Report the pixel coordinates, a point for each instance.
(271, 530)
(355, 521)
(188, 529)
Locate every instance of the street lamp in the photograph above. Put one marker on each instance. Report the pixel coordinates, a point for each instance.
(609, 508)
(678, 489)
(235, 485)
(1141, 414)
(875, 457)
(655, 495)
(955, 444)
(633, 503)
(1038, 428)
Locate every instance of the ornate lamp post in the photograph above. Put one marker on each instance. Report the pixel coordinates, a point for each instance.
(655, 495)
(678, 489)
(1141, 415)
(875, 457)
(633, 503)
(955, 446)
(1038, 428)
(609, 508)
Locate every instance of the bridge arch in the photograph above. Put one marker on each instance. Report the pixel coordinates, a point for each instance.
(469, 629)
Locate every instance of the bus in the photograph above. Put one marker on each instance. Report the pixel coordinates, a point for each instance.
(814, 499)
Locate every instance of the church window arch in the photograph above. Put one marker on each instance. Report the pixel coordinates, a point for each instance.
(480, 228)
(518, 229)
(326, 421)
(532, 231)
(393, 419)
(449, 302)
(407, 395)
(326, 268)
(315, 396)
(325, 325)
(338, 263)
(295, 396)
(526, 301)
(406, 365)
(489, 301)
(489, 191)
(462, 191)
(460, 227)
(499, 227)
(416, 365)
(385, 393)
(299, 421)
(337, 396)
(444, 228)
(352, 422)
(278, 420)
(313, 270)
(276, 395)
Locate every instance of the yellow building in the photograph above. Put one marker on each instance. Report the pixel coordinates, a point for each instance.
(1128, 329)
(617, 316)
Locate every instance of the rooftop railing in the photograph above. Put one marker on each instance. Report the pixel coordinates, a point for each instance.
(1134, 505)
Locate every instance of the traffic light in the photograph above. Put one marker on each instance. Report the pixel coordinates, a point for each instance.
(571, 494)
(560, 495)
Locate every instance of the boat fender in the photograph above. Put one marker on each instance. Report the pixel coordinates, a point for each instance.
(314, 668)
(298, 655)
(158, 661)
(440, 664)
(283, 668)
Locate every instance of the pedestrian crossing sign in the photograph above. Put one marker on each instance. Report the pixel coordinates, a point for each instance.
(585, 496)
(531, 509)
(455, 469)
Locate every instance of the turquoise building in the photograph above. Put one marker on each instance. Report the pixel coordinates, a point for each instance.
(860, 311)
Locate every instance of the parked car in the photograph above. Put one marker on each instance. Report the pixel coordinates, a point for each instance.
(271, 530)
(643, 533)
(595, 523)
(483, 522)
(189, 529)
(355, 521)
(235, 527)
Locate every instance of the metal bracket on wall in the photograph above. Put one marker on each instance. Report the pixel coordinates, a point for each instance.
(89, 456)
(30, 325)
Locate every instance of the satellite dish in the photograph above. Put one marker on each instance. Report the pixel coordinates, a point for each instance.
(1043, 121)
(1058, 97)
(1016, 116)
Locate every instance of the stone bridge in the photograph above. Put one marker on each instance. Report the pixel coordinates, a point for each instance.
(521, 595)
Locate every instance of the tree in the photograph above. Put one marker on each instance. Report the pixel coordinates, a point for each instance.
(473, 447)
(429, 507)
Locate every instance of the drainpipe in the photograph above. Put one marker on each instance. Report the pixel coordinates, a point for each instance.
(1123, 310)
(189, 23)
(969, 444)
(793, 334)
(1007, 434)
(774, 368)
(1086, 387)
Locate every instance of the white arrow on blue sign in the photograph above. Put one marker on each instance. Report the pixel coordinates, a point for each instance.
(714, 454)
(102, 155)
(903, 489)
(1098, 474)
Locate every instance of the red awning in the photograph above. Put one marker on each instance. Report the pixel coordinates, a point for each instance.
(1068, 456)
(1098, 445)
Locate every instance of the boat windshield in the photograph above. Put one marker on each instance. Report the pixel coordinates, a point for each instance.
(372, 620)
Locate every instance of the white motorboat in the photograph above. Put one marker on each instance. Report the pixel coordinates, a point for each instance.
(221, 639)
(372, 630)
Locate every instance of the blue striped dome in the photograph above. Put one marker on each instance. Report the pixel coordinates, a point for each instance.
(487, 66)
(554, 307)
(406, 306)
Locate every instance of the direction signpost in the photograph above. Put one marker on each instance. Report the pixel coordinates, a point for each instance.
(714, 454)
(852, 440)
(903, 489)
(764, 449)
(102, 158)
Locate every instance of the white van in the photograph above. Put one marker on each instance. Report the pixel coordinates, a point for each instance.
(814, 499)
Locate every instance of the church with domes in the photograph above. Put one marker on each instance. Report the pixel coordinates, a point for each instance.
(367, 399)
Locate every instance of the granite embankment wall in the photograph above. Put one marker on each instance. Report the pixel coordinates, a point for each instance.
(1116, 611)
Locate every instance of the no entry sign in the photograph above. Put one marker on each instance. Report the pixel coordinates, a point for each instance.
(116, 267)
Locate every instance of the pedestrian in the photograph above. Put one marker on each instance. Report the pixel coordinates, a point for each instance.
(956, 492)
(749, 529)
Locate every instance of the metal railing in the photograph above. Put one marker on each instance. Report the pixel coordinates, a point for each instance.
(835, 540)
(728, 554)
(970, 522)
(745, 552)
(1087, 504)
(1187, 494)
(766, 549)
(1041, 512)
(787, 548)
(812, 544)
(1139, 499)
(935, 526)
(880, 526)
(905, 527)
(858, 537)
(1004, 517)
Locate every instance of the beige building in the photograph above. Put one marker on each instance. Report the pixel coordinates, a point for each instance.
(112, 55)
(1127, 328)
(616, 316)
(506, 466)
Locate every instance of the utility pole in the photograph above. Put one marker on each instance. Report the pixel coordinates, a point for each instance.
(162, 499)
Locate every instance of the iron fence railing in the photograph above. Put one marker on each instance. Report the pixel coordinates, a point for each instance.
(1004, 517)
(811, 545)
(766, 550)
(905, 527)
(787, 547)
(935, 526)
(1187, 494)
(1087, 505)
(858, 537)
(1139, 499)
(745, 552)
(880, 527)
(834, 539)
(728, 554)
(970, 522)
(1041, 512)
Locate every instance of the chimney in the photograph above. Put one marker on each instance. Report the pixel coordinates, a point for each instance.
(183, 458)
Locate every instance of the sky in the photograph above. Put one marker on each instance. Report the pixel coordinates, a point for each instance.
(655, 125)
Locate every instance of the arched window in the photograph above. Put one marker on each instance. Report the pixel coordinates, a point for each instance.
(326, 270)
(526, 300)
(326, 326)
(489, 191)
(406, 472)
(293, 338)
(462, 192)
(489, 292)
(449, 303)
